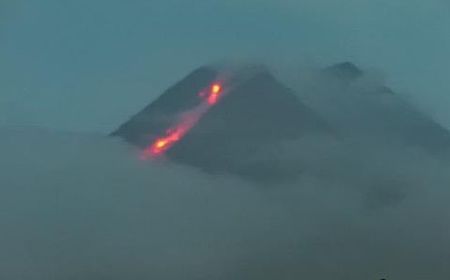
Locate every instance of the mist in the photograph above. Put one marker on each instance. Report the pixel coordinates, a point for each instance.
(365, 204)
(85, 206)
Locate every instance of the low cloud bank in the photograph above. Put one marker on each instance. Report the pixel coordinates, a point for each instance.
(85, 207)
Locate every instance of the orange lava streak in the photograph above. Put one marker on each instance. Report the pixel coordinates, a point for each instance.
(162, 144)
(173, 135)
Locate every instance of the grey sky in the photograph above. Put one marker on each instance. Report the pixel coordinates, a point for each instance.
(87, 65)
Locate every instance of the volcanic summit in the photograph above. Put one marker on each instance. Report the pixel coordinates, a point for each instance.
(218, 121)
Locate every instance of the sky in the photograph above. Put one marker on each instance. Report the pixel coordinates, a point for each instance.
(88, 65)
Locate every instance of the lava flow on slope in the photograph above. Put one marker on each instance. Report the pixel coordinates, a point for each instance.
(187, 120)
(223, 121)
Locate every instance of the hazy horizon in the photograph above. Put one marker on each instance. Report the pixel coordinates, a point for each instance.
(108, 59)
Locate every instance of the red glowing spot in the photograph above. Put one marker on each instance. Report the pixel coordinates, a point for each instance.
(173, 135)
(216, 88)
(214, 94)
(162, 144)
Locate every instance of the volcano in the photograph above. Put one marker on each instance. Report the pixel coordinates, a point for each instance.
(226, 121)
(254, 112)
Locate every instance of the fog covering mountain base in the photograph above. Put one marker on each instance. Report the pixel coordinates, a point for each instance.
(360, 206)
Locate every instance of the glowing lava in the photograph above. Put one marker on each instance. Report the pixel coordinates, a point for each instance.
(164, 143)
(214, 94)
(186, 122)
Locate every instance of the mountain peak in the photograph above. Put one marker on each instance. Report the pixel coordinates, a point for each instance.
(345, 71)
